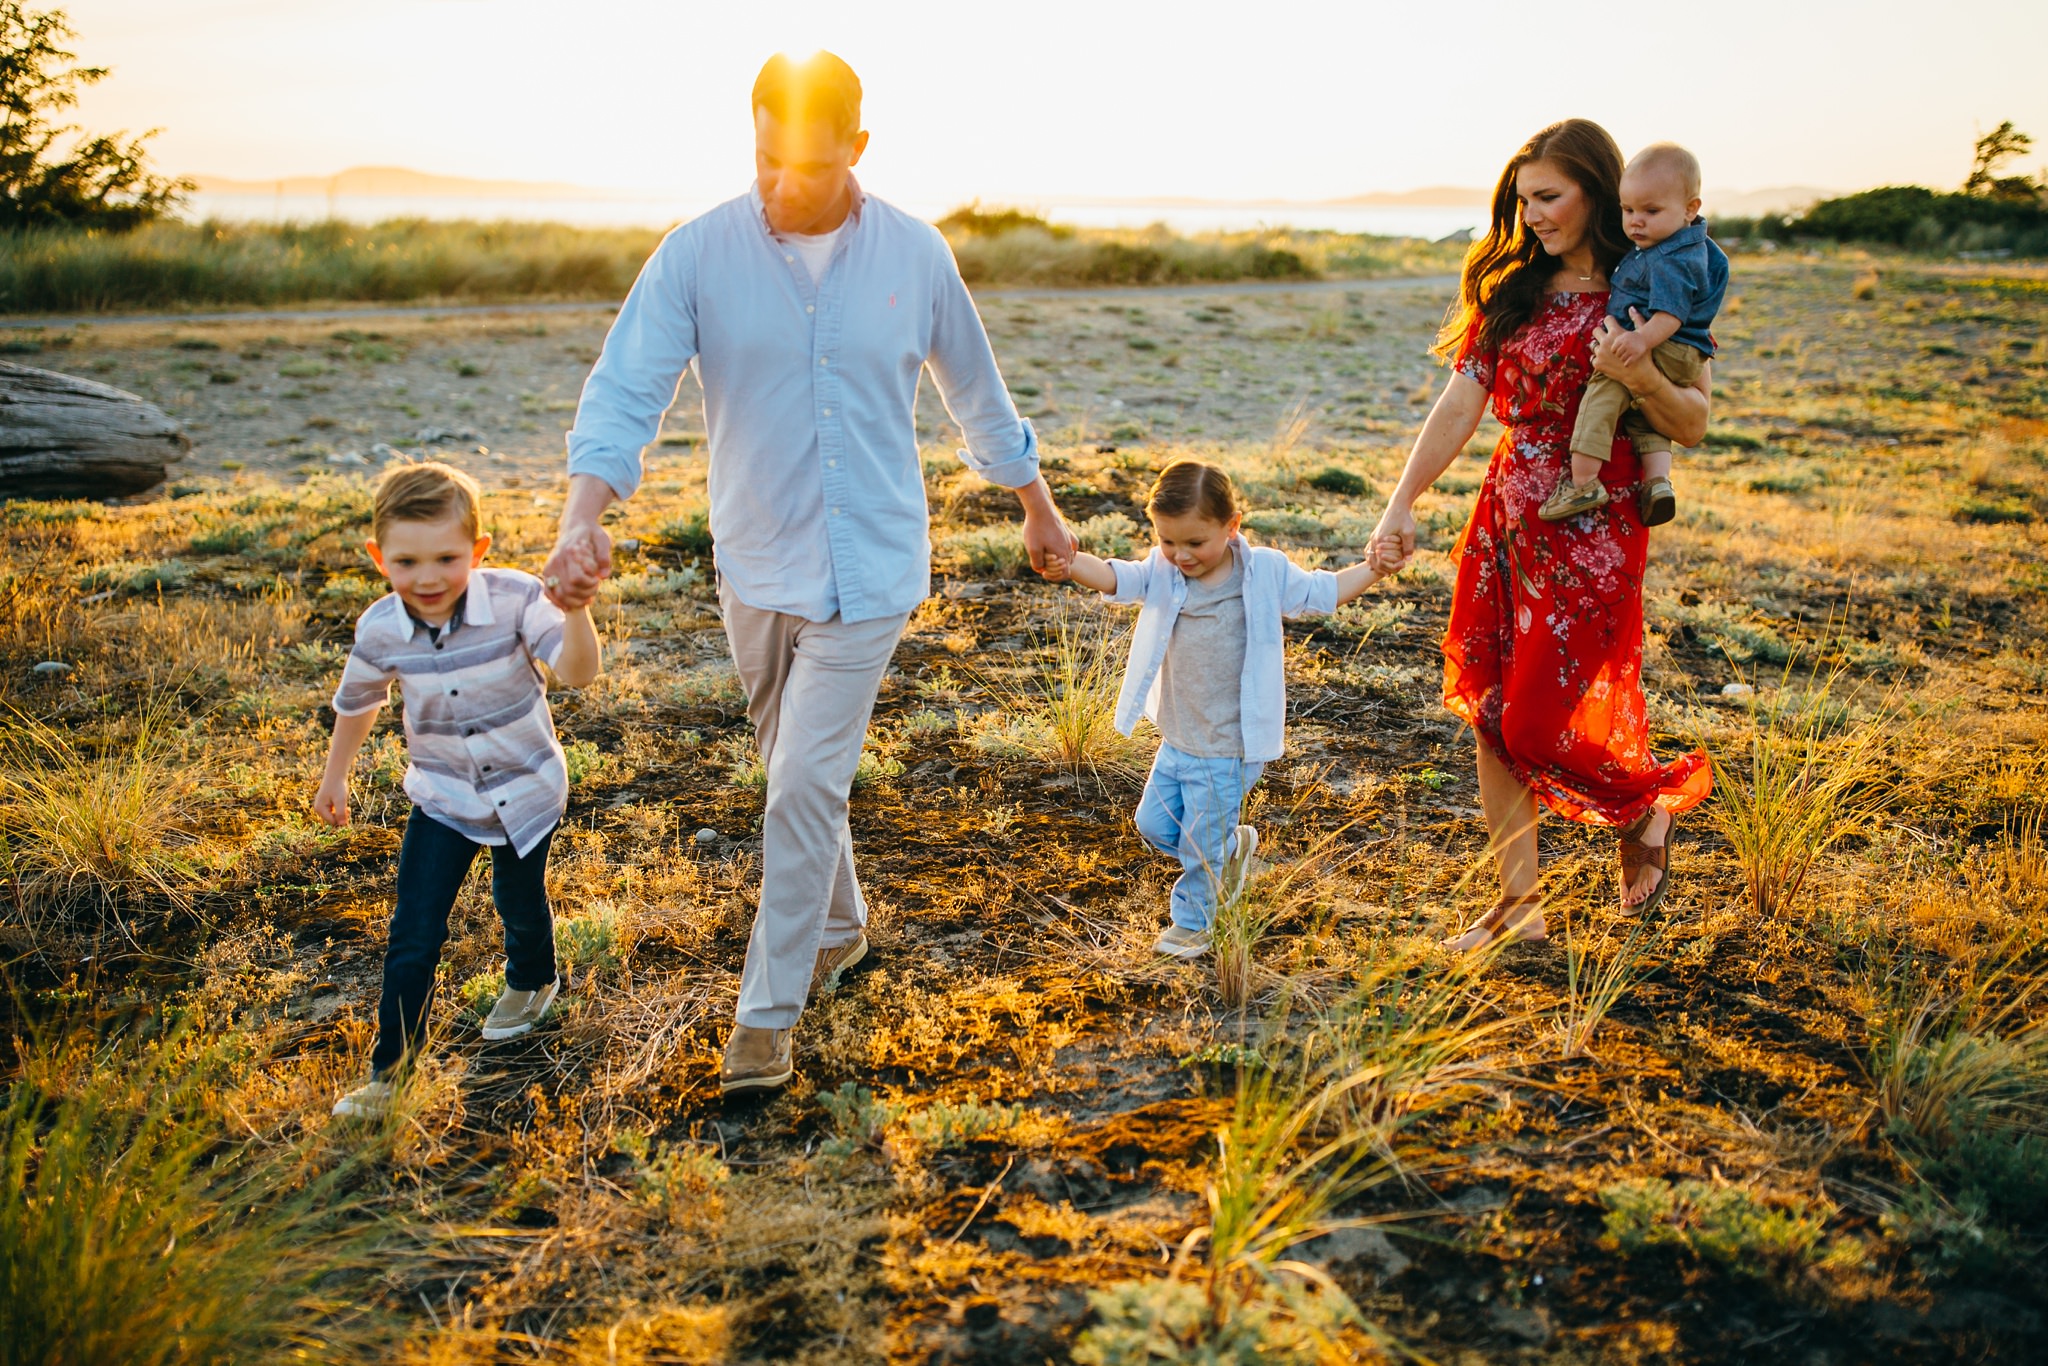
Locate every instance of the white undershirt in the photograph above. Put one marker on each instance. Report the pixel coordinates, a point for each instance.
(816, 252)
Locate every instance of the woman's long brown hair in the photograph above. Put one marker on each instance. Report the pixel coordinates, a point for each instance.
(1506, 270)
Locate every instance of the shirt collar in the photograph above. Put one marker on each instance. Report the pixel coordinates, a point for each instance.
(860, 200)
(1695, 231)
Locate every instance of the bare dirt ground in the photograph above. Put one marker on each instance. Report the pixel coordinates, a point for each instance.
(1013, 1104)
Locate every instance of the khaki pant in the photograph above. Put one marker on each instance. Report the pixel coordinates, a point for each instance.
(811, 687)
(1608, 402)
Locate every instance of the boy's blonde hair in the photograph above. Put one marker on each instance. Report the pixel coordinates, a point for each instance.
(1190, 486)
(1672, 159)
(426, 491)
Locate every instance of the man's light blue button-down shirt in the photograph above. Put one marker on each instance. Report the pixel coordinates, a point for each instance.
(810, 394)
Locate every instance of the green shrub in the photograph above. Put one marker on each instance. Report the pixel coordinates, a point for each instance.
(945, 1125)
(690, 533)
(1994, 510)
(1332, 479)
(591, 943)
(141, 1226)
(859, 1121)
(1721, 1224)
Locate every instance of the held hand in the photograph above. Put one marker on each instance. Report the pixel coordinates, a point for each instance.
(1057, 569)
(580, 563)
(1047, 539)
(330, 803)
(1393, 541)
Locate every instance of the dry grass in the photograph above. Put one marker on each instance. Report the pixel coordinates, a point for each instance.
(1842, 1088)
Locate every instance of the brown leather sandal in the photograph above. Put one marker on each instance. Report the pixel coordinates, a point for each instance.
(1502, 925)
(1636, 856)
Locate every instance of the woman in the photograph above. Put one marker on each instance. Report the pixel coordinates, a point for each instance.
(1544, 651)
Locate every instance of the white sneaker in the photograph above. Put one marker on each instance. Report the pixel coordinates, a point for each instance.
(1237, 866)
(519, 1011)
(368, 1101)
(1176, 942)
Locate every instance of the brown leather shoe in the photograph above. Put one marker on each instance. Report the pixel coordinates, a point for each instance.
(835, 961)
(756, 1060)
(1658, 501)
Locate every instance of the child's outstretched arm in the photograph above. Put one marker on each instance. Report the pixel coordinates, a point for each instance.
(330, 802)
(1090, 571)
(1357, 578)
(582, 655)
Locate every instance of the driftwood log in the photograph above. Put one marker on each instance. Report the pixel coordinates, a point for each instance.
(64, 437)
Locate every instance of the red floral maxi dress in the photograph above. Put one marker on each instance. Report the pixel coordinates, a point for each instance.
(1544, 652)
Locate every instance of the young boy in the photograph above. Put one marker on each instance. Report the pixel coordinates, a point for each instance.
(465, 645)
(1678, 277)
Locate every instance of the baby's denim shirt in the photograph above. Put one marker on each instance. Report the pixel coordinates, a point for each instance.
(1685, 275)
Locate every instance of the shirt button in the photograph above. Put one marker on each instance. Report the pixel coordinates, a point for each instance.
(835, 512)
(501, 801)
(831, 464)
(789, 258)
(469, 732)
(810, 308)
(439, 643)
(487, 768)
(828, 412)
(824, 360)
(455, 692)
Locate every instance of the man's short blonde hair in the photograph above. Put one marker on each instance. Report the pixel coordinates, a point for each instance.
(1670, 159)
(427, 491)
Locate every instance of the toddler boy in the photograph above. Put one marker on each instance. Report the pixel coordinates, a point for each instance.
(1677, 276)
(465, 645)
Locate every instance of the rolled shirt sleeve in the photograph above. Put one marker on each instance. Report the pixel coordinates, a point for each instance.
(1002, 447)
(651, 343)
(1307, 592)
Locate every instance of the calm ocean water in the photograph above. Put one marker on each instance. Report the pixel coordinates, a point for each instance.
(1403, 221)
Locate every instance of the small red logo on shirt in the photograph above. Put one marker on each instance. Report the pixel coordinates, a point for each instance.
(892, 301)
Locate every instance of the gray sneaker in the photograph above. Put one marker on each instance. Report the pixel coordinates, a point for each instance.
(833, 962)
(1176, 942)
(519, 1011)
(368, 1101)
(756, 1060)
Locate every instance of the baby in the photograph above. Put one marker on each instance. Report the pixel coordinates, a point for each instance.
(1678, 277)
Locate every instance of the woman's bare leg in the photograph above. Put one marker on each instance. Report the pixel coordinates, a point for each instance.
(1511, 830)
(1510, 824)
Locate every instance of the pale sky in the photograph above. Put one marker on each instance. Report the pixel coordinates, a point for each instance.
(1061, 98)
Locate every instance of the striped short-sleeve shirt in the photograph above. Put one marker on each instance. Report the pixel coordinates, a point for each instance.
(484, 757)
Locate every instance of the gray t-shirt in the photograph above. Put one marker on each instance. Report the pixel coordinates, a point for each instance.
(1201, 685)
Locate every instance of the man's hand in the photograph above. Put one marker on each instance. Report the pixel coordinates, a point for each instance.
(1045, 533)
(582, 558)
(330, 803)
(579, 565)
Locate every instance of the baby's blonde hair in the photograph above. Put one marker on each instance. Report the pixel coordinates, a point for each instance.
(1671, 158)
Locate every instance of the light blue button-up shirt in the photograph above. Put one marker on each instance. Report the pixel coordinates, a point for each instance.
(810, 394)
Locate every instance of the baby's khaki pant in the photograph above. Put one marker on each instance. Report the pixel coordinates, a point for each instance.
(1608, 402)
(811, 687)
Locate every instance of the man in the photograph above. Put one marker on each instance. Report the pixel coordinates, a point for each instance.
(808, 308)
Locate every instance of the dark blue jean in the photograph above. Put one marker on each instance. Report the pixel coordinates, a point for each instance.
(433, 860)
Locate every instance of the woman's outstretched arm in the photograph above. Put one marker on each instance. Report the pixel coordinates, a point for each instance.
(1449, 426)
(1678, 411)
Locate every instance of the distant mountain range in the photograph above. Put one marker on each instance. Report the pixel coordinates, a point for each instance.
(398, 182)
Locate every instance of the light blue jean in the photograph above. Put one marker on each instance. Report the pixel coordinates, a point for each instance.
(1190, 809)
